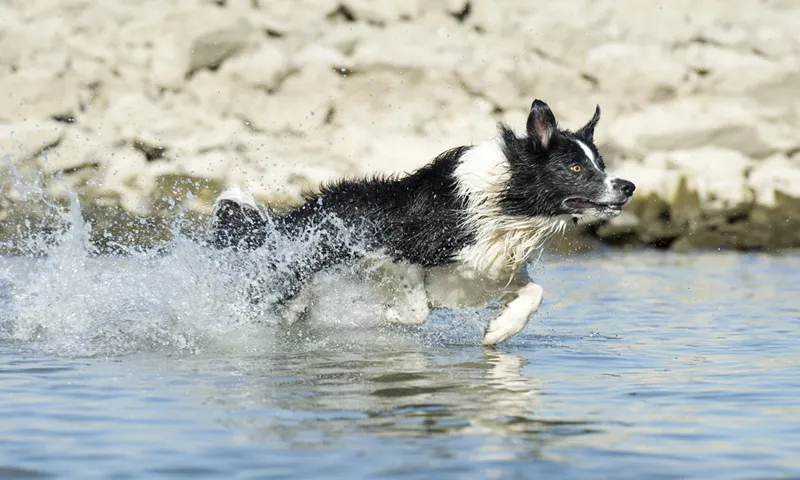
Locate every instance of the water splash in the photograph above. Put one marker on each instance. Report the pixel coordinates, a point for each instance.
(63, 297)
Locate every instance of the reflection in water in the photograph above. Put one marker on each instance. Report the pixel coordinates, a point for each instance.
(336, 399)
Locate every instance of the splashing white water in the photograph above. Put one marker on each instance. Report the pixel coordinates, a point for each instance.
(67, 300)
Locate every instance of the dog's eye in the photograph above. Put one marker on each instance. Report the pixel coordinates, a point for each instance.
(576, 168)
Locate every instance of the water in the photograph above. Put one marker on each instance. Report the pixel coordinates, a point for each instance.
(637, 365)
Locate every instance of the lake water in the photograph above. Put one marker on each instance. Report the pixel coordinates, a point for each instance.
(638, 365)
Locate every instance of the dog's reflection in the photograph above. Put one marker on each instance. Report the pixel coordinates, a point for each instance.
(395, 394)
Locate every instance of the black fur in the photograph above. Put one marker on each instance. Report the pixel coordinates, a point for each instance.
(421, 217)
(418, 218)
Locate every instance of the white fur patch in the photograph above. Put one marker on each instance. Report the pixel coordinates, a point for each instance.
(609, 179)
(504, 243)
(589, 154)
(237, 195)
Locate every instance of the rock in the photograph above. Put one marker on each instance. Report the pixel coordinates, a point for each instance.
(213, 93)
(781, 91)
(263, 68)
(316, 56)
(689, 123)
(727, 70)
(774, 176)
(718, 175)
(381, 12)
(641, 73)
(701, 111)
(76, 150)
(212, 48)
(34, 95)
(396, 153)
(383, 100)
(394, 48)
(125, 172)
(24, 141)
(305, 103)
(194, 41)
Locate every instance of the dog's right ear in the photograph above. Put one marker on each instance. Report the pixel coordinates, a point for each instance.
(541, 124)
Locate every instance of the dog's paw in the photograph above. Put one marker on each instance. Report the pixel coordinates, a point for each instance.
(501, 329)
(515, 317)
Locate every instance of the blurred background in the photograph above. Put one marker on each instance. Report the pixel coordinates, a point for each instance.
(142, 106)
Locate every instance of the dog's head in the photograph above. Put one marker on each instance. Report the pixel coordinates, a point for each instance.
(557, 172)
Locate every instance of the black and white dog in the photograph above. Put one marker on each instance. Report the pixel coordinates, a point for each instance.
(455, 233)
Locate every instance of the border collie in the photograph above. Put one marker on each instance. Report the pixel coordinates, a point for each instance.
(456, 233)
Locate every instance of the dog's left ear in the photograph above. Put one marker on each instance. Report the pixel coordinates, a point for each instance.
(587, 131)
(541, 124)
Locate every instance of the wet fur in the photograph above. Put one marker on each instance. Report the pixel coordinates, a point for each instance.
(477, 213)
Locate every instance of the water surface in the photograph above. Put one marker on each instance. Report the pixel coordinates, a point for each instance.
(638, 365)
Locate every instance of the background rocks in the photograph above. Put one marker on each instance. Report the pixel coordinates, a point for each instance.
(133, 103)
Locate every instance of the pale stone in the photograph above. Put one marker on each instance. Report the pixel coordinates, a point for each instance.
(694, 122)
(24, 141)
(211, 92)
(719, 176)
(126, 172)
(638, 72)
(776, 173)
(34, 95)
(382, 12)
(398, 154)
(75, 150)
(265, 67)
(302, 94)
(726, 70)
(303, 104)
(316, 55)
(193, 41)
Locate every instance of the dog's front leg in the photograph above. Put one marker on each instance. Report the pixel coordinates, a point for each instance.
(515, 316)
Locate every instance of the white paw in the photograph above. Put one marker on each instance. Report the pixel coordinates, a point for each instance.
(501, 329)
(515, 316)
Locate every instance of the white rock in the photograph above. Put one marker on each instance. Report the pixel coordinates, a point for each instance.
(211, 92)
(398, 154)
(316, 56)
(690, 123)
(389, 101)
(776, 173)
(382, 12)
(126, 172)
(718, 175)
(302, 105)
(193, 41)
(23, 141)
(76, 149)
(265, 67)
(726, 70)
(36, 95)
(638, 72)
(444, 48)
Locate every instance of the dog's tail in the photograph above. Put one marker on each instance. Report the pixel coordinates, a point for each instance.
(237, 221)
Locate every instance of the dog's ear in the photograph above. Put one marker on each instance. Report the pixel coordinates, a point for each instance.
(587, 131)
(541, 124)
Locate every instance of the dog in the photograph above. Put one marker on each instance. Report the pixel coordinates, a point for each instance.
(455, 233)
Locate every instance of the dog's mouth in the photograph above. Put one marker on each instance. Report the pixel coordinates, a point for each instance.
(582, 203)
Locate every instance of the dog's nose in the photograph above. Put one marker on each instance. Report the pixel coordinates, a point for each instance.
(625, 186)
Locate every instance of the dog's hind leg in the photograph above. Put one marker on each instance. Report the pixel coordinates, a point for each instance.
(515, 316)
(237, 221)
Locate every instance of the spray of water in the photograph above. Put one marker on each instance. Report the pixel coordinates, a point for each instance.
(61, 296)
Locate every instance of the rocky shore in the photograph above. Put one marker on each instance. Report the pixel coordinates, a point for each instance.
(147, 109)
